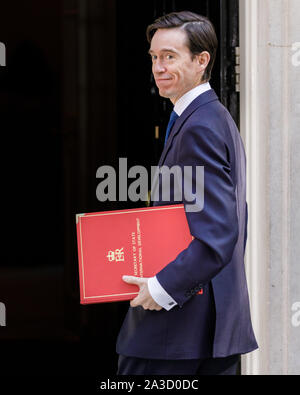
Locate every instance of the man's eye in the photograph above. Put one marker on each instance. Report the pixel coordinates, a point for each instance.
(170, 57)
(153, 57)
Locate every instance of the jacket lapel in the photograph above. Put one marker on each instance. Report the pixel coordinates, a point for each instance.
(202, 99)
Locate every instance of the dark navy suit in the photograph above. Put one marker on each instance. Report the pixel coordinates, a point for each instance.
(216, 323)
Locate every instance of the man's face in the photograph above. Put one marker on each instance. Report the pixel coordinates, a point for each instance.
(174, 70)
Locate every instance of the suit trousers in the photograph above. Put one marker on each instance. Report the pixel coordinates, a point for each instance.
(209, 366)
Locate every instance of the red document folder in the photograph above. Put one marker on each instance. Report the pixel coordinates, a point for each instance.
(137, 242)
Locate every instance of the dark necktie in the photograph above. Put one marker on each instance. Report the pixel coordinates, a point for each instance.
(172, 120)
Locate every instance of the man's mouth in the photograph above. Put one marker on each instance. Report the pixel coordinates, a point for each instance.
(162, 80)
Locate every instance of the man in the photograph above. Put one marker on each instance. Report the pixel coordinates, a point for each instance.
(171, 327)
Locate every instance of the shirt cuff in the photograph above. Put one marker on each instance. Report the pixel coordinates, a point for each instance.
(160, 296)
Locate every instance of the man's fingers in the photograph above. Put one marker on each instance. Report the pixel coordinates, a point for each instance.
(147, 305)
(135, 302)
(144, 298)
(132, 280)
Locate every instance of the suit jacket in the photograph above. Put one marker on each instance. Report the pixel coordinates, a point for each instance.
(217, 323)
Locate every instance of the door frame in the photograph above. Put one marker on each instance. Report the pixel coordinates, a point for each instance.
(253, 128)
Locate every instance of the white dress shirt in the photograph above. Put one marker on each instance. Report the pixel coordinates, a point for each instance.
(157, 292)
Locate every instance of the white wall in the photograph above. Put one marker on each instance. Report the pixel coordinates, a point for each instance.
(270, 127)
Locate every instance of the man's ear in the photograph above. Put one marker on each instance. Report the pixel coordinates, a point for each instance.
(203, 60)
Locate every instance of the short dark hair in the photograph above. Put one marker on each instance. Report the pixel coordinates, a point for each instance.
(200, 32)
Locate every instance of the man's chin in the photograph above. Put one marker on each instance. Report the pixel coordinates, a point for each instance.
(164, 94)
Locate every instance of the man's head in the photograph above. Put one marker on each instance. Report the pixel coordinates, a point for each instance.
(183, 48)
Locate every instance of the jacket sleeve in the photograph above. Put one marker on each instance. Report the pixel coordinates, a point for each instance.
(215, 226)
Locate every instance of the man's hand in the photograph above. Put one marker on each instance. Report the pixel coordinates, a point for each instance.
(144, 297)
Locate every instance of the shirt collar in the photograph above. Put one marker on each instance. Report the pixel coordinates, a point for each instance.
(189, 96)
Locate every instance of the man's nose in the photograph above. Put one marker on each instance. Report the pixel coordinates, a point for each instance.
(158, 67)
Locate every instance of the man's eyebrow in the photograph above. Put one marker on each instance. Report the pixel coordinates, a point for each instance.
(164, 50)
